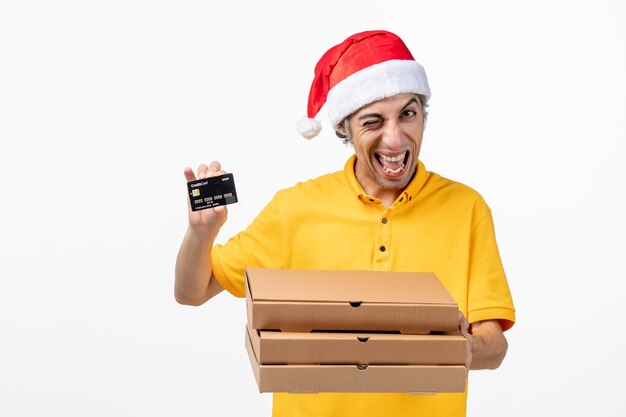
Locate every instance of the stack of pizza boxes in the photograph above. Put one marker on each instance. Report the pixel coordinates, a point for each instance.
(353, 331)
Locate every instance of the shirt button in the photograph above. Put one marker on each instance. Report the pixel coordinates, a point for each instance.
(382, 248)
(384, 220)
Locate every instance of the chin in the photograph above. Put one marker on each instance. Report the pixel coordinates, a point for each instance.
(396, 184)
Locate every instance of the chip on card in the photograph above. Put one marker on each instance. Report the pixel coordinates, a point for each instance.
(212, 192)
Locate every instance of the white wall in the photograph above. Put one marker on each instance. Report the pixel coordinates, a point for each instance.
(102, 105)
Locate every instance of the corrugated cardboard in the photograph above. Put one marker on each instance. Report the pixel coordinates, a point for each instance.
(275, 347)
(306, 300)
(353, 378)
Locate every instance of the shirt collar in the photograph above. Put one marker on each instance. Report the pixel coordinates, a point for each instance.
(408, 194)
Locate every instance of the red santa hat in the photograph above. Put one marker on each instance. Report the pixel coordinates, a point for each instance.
(364, 68)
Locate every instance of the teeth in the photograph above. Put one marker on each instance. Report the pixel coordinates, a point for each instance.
(394, 171)
(393, 158)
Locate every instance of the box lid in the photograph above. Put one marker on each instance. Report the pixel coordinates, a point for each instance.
(341, 286)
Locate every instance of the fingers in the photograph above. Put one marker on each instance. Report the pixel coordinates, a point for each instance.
(468, 353)
(189, 175)
(464, 328)
(463, 323)
(204, 171)
(214, 167)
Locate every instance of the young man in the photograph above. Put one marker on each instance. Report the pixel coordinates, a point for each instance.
(387, 213)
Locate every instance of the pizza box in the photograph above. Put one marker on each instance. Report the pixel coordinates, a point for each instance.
(418, 379)
(307, 300)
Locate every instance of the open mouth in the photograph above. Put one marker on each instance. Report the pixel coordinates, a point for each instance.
(392, 165)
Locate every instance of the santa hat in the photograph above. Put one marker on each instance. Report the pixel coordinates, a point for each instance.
(364, 68)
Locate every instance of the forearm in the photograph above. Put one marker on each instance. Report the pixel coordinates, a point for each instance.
(489, 345)
(194, 267)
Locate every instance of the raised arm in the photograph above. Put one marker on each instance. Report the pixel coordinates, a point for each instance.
(195, 282)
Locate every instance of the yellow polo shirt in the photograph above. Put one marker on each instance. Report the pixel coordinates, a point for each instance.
(329, 222)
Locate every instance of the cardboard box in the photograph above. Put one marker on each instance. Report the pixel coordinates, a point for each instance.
(306, 300)
(275, 347)
(356, 378)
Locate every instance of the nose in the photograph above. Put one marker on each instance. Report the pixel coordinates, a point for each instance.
(392, 135)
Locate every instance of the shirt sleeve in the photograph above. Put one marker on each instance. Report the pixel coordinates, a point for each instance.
(262, 244)
(489, 297)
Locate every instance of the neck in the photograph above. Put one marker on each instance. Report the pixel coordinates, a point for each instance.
(387, 197)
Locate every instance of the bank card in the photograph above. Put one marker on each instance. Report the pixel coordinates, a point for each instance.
(212, 192)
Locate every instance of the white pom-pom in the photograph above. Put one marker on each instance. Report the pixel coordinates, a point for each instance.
(308, 128)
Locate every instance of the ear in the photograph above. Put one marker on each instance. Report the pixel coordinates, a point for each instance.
(340, 130)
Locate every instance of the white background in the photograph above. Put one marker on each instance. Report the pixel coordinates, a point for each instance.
(102, 105)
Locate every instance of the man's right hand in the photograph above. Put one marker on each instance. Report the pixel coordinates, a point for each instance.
(213, 218)
(195, 282)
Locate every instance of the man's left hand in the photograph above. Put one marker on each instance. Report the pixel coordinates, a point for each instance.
(486, 344)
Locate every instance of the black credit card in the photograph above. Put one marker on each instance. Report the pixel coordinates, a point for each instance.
(212, 192)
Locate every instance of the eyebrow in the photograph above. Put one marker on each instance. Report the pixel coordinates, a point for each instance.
(368, 115)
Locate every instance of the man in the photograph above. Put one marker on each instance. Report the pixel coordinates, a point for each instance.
(384, 211)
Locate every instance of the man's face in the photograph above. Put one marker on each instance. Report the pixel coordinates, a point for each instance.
(387, 138)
